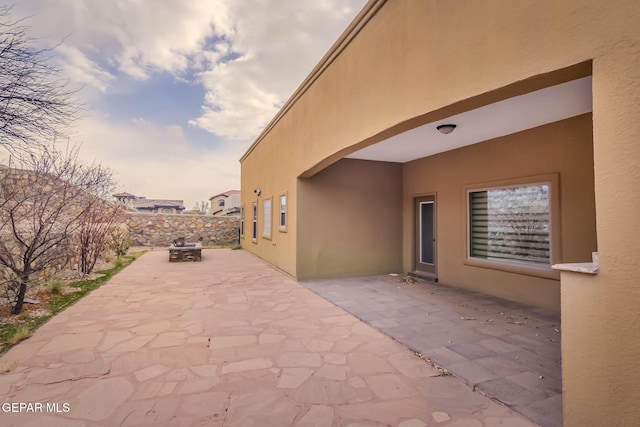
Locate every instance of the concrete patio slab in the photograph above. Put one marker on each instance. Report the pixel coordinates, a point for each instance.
(232, 342)
(507, 350)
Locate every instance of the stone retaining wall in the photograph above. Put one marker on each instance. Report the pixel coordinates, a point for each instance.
(148, 229)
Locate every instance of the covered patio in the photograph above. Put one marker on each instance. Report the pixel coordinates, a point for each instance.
(506, 350)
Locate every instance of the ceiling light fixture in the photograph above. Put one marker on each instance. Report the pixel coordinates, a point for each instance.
(446, 129)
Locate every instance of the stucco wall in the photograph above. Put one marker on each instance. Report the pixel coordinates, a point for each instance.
(411, 62)
(273, 172)
(563, 148)
(149, 229)
(583, 300)
(350, 220)
(615, 378)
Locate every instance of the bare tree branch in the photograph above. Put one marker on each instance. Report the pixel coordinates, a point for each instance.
(202, 207)
(46, 205)
(36, 105)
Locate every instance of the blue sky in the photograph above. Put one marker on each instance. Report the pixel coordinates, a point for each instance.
(154, 99)
(182, 84)
(160, 99)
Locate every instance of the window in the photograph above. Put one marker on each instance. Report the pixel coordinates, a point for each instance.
(241, 221)
(511, 224)
(167, 210)
(221, 203)
(254, 234)
(266, 218)
(283, 213)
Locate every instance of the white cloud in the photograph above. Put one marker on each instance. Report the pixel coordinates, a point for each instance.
(158, 161)
(275, 43)
(236, 108)
(139, 37)
(82, 70)
(248, 55)
(279, 43)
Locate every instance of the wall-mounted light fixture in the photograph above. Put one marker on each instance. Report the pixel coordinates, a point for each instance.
(446, 128)
(257, 191)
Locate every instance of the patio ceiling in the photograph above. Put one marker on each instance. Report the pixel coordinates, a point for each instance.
(501, 118)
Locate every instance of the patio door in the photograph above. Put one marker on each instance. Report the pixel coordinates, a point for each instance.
(425, 208)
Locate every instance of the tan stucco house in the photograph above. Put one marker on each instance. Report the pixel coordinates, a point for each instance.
(537, 165)
(227, 203)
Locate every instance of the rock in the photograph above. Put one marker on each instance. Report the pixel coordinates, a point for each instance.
(165, 228)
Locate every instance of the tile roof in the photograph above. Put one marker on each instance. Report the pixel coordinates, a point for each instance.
(226, 194)
(125, 194)
(157, 203)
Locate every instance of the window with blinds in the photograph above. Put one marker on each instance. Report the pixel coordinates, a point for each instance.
(511, 224)
(266, 218)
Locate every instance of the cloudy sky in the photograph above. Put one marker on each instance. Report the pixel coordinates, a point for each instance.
(176, 90)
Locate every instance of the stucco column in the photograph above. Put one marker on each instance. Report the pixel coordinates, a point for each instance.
(601, 314)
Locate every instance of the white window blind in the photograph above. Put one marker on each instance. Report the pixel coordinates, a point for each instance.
(266, 218)
(512, 223)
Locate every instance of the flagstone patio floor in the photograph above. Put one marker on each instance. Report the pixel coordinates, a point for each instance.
(228, 341)
(506, 350)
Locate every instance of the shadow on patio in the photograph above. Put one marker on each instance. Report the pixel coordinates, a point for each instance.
(509, 351)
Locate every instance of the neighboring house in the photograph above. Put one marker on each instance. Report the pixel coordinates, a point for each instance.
(227, 203)
(142, 204)
(125, 197)
(356, 174)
